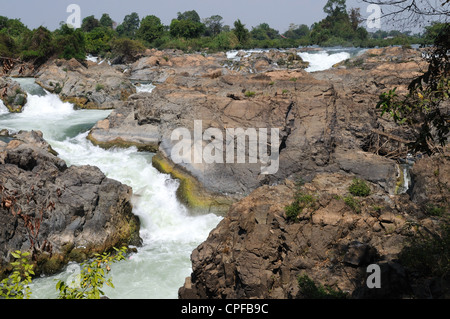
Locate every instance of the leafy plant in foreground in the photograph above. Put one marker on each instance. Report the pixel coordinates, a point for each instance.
(16, 286)
(93, 275)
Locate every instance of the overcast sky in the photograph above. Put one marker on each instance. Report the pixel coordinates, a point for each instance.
(277, 13)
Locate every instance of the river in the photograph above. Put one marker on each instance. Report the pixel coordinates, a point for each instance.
(169, 231)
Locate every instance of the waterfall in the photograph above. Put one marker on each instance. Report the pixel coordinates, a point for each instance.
(169, 232)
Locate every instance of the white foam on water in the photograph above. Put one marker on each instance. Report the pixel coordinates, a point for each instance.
(169, 232)
(144, 87)
(322, 60)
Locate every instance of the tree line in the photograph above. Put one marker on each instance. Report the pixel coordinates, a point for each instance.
(188, 32)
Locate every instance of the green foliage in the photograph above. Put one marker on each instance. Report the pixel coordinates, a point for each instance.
(310, 290)
(92, 278)
(241, 32)
(98, 41)
(126, 48)
(89, 23)
(421, 108)
(106, 21)
(16, 286)
(151, 29)
(264, 32)
(39, 46)
(301, 201)
(70, 43)
(335, 7)
(297, 31)
(191, 15)
(428, 255)
(352, 203)
(129, 26)
(99, 87)
(7, 45)
(359, 188)
(435, 210)
(213, 25)
(186, 29)
(249, 93)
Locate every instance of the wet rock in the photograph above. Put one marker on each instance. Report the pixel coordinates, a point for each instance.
(91, 86)
(12, 95)
(59, 213)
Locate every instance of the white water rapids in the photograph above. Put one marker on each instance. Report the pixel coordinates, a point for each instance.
(319, 60)
(169, 232)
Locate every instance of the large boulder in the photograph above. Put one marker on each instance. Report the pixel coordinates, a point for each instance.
(327, 122)
(12, 95)
(58, 213)
(91, 85)
(258, 251)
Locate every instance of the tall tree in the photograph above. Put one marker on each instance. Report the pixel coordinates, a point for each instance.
(241, 32)
(425, 108)
(89, 23)
(264, 32)
(187, 25)
(129, 26)
(355, 17)
(189, 15)
(333, 7)
(214, 25)
(106, 21)
(151, 28)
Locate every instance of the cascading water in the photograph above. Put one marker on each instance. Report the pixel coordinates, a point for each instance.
(169, 232)
(325, 59)
(319, 60)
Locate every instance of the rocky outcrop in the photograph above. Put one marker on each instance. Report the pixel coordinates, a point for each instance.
(90, 85)
(12, 95)
(157, 65)
(258, 252)
(327, 121)
(256, 62)
(59, 213)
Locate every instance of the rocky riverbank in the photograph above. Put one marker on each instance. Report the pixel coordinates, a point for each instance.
(59, 213)
(327, 120)
(329, 134)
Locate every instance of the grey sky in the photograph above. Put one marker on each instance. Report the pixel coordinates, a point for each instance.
(277, 13)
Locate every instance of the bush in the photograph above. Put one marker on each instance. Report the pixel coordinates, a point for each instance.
(352, 203)
(92, 277)
(310, 290)
(16, 285)
(127, 48)
(359, 188)
(300, 202)
(428, 255)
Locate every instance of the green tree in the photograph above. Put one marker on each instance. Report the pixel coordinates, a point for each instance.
(186, 29)
(297, 31)
(189, 15)
(98, 41)
(264, 32)
(151, 29)
(126, 48)
(129, 26)
(70, 43)
(106, 21)
(423, 108)
(39, 46)
(214, 25)
(333, 7)
(89, 24)
(241, 32)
